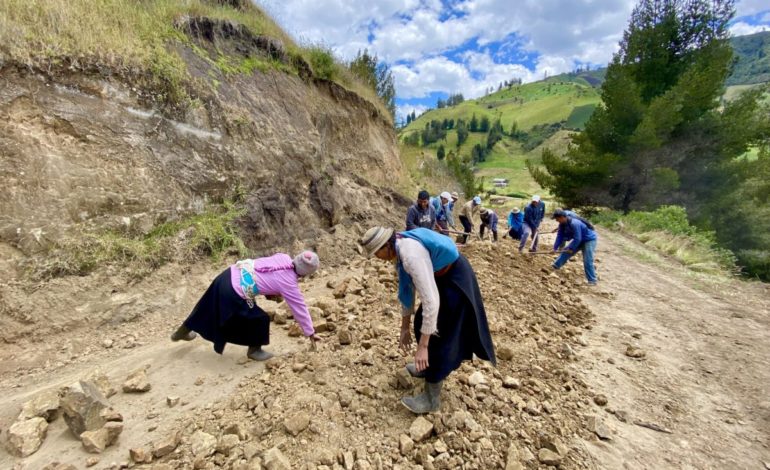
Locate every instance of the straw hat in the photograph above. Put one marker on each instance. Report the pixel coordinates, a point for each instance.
(374, 239)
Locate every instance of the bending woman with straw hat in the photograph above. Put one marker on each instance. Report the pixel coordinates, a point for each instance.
(451, 324)
(228, 311)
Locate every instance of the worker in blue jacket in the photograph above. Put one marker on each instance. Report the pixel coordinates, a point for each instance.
(533, 215)
(515, 223)
(583, 239)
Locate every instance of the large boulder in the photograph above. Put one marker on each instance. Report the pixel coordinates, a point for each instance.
(82, 404)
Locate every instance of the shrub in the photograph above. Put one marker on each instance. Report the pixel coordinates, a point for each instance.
(212, 233)
(322, 62)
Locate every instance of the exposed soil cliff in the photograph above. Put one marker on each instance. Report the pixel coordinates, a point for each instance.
(88, 151)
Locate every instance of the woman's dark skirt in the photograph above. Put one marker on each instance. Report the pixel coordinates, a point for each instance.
(222, 316)
(462, 323)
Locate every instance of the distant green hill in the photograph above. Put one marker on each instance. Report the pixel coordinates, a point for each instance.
(752, 54)
(543, 113)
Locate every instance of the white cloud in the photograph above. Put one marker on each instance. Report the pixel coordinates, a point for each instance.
(471, 77)
(741, 29)
(750, 7)
(414, 35)
(402, 111)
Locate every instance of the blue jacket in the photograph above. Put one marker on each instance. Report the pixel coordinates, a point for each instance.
(576, 231)
(417, 217)
(441, 211)
(515, 221)
(533, 215)
(442, 250)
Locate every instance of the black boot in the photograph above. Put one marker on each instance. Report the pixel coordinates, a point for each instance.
(183, 333)
(427, 401)
(258, 354)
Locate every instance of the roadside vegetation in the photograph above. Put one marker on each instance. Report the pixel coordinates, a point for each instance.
(668, 230)
(212, 233)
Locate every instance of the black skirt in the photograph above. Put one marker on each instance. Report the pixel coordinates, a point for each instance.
(462, 323)
(222, 316)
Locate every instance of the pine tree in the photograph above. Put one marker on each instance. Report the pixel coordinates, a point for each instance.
(377, 76)
(440, 152)
(474, 124)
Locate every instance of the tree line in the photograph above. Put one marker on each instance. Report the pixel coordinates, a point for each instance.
(663, 136)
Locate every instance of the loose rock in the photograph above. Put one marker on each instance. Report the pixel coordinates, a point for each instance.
(202, 444)
(82, 404)
(137, 382)
(297, 423)
(420, 429)
(44, 405)
(275, 460)
(549, 457)
(25, 437)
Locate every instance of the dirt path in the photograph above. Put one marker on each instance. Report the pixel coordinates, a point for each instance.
(706, 374)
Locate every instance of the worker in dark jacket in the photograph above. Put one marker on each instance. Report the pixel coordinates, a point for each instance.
(583, 239)
(533, 215)
(488, 220)
(421, 213)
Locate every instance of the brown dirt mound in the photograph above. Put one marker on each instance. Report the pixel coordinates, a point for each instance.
(339, 406)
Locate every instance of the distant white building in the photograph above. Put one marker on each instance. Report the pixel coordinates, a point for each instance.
(500, 182)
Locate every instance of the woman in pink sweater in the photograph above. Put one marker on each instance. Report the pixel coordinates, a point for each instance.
(228, 312)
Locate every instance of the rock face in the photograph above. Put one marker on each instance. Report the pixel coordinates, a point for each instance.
(125, 165)
(82, 404)
(25, 437)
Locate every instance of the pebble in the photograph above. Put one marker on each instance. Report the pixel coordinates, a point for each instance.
(420, 429)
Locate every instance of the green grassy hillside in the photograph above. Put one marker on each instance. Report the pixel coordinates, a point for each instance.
(752, 59)
(545, 113)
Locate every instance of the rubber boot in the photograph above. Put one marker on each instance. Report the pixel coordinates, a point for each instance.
(413, 371)
(184, 334)
(427, 401)
(258, 354)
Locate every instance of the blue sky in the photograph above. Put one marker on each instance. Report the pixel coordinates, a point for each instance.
(438, 47)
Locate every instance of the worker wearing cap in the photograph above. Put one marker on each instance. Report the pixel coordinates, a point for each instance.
(583, 239)
(421, 213)
(451, 324)
(470, 209)
(440, 206)
(515, 223)
(533, 216)
(488, 220)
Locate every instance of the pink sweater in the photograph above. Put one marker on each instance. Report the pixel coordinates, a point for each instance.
(275, 275)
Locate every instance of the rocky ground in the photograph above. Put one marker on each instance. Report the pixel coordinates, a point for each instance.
(555, 398)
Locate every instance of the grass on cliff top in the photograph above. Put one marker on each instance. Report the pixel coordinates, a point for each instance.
(116, 32)
(134, 35)
(212, 233)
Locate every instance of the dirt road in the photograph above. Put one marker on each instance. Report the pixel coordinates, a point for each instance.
(705, 376)
(706, 373)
